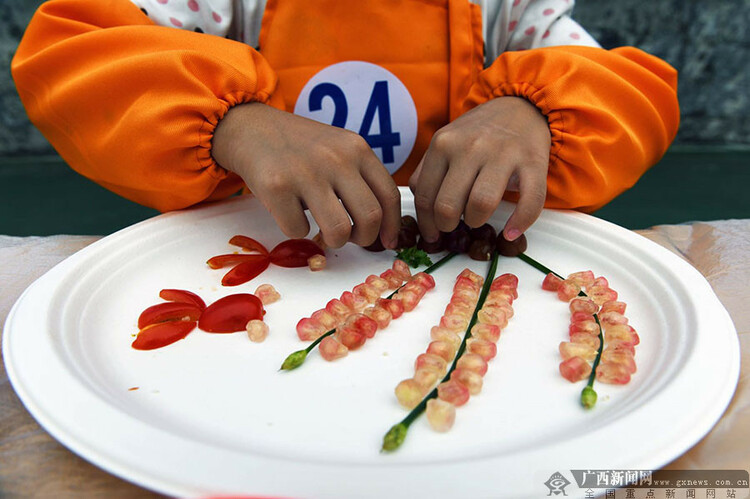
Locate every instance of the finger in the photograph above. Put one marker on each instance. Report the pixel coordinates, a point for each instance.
(330, 216)
(289, 214)
(363, 208)
(414, 179)
(486, 195)
(434, 168)
(388, 196)
(532, 193)
(453, 194)
(513, 183)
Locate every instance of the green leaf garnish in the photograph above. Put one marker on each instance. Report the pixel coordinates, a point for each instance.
(414, 257)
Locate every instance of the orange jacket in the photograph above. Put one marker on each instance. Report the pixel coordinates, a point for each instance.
(133, 106)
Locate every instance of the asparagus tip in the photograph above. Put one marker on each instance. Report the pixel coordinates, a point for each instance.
(294, 360)
(588, 397)
(395, 437)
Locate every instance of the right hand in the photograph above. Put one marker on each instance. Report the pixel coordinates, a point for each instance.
(291, 163)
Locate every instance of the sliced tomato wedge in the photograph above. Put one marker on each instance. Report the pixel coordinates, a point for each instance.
(221, 261)
(246, 271)
(294, 252)
(249, 244)
(170, 311)
(231, 313)
(182, 296)
(162, 334)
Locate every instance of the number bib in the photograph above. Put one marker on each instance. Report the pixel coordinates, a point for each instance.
(393, 71)
(367, 99)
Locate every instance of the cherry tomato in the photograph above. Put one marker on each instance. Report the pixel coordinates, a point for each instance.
(294, 252)
(162, 334)
(170, 311)
(231, 313)
(182, 296)
(249, 244)
(246, 271)
(221, 261)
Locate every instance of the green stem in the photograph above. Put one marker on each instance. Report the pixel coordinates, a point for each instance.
(537, 265)
(588, 395)
(296, 359)
(396, 435)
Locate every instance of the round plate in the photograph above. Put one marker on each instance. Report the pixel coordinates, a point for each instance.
(212, 414)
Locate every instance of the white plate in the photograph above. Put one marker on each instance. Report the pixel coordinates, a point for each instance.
(212, 414)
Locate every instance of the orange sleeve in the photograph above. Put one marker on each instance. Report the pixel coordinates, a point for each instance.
(612, 115)
(131, 105)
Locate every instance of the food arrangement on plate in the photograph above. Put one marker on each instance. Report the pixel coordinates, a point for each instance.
(212, 414)
(601, 343)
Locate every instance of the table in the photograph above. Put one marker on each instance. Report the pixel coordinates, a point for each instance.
(33, 463)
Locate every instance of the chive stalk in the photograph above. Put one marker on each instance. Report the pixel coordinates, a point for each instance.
(296, 359)
(397, 434)
(588, 394)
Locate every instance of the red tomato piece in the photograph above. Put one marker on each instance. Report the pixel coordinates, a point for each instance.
(249, 244)
(221, 261)
(231, 313)
(182, 296)
(246, 271)
(162, 334)
(170, 311)
(294, 252)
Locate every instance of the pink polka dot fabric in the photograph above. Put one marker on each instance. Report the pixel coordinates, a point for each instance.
(203, 16)
(539, 23)
(507, 24)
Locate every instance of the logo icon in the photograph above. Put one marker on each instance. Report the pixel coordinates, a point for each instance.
(556, 484)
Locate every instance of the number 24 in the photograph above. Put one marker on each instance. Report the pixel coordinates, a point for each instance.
(379, 102)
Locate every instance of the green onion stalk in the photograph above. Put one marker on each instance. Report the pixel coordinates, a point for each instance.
(397, 434)
(296, 359)
(588, 394)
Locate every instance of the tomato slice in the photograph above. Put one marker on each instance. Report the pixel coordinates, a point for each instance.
(182, 296)
(162, 334)
(170, 311)
(249, 244)
(221, 261)
(246, 271)
(231, 313)
(294, 252)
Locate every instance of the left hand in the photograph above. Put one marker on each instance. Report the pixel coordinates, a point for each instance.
(500, 145)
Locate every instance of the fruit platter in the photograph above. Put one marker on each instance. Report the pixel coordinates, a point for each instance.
(203, 353)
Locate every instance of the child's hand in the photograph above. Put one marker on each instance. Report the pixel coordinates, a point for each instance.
(501, 144)
(291, 163)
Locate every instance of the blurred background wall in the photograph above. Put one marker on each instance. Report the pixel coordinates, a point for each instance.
(707, 41)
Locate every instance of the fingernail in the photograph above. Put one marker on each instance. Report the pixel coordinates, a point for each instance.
(392, 243)
(512, 234)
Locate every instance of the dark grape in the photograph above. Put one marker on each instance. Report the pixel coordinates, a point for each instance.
(480, 250)
(376, 246)
(435, 247)
(484, 233)
(458, 239)
(410, 222)
(511, 248)
(407, 235)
